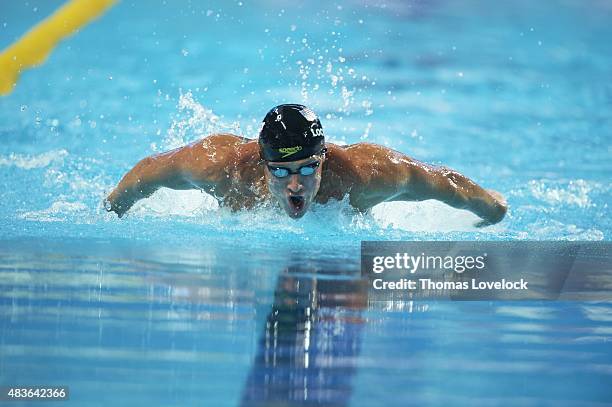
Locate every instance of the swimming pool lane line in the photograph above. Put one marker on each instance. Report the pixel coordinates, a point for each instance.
(34, 47)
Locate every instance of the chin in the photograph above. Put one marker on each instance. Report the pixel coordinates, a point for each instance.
(295, 215)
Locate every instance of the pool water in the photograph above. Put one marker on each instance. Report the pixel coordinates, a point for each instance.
(185, 303)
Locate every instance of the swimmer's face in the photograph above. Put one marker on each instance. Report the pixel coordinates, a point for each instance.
(295, 191)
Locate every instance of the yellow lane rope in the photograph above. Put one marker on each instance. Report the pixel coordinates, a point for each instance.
(35, 46)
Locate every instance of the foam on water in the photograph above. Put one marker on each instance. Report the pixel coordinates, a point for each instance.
(558, 193)
(60, 211)
(192, 122)
(166, 203)
(28, 162)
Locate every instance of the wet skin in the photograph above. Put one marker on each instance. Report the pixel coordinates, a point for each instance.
(230, 168)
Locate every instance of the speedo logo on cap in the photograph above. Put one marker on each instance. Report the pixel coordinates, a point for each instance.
(287, 151)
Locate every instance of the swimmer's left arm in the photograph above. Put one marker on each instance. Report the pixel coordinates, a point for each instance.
(456, 190)
(388, 175)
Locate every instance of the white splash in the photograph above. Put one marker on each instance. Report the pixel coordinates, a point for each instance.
(574, 192)
(28, 162)
(194, 121)
(59, 211)
(549, 229)
(166, 202)
(428, 216)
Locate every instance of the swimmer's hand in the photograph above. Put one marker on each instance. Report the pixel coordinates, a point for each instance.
(114, 203)
(500, 208)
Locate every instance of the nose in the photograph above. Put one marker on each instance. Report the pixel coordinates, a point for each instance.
(294, 186)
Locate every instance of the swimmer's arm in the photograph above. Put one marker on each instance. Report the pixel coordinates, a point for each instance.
(188, 167)
(455, 189)
(388, 175)
(147, 176)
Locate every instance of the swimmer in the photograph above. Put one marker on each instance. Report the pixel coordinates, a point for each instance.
(292, 164)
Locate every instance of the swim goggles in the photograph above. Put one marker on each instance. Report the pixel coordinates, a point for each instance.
(282, 172)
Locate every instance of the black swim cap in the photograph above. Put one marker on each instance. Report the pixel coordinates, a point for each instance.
(290, 133)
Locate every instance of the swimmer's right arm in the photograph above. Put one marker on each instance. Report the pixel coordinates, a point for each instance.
(150, 174)
(195, 166)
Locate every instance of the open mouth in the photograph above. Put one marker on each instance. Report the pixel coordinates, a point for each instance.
(297, 202)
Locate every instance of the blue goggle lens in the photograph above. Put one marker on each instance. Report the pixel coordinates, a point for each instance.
(282, 172)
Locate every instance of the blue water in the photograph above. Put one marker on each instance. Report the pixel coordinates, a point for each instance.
(176, 303)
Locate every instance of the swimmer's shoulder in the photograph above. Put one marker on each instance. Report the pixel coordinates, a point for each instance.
(220, 140)
(370, 153)
(339, 163)
(366, 148)
(357, 148)
(371, 164)
(208, 161)
(223, 147)
(361, 153)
